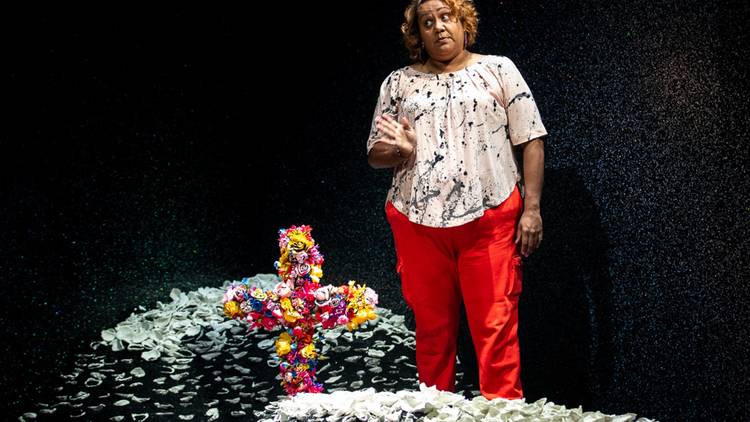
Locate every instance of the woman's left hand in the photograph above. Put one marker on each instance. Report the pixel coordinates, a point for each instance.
(529, 231)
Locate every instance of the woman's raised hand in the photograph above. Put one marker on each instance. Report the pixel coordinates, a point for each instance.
(397, 133)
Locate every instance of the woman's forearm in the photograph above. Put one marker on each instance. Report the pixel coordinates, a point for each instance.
(383, 156)
(533, 174)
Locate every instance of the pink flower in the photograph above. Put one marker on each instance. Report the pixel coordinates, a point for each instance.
(283, 289)
(239, 293)
(302, 269)
(229, 294)
(371, 297)
(297, 331)
(268, 323)
(322, 296)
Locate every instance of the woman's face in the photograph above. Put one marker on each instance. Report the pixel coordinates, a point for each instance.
(441, 31)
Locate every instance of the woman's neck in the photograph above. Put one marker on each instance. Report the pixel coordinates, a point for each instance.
(460, 61)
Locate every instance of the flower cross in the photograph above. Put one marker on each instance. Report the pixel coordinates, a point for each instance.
(298, 304)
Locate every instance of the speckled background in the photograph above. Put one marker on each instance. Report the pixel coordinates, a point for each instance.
(143, 151)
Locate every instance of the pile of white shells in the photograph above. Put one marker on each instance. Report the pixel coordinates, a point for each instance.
(185, 361)
(427, 404)
(161, 331)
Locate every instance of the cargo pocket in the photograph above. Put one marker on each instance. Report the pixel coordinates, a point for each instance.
(515, 276)
(395, 218)
(391, 215)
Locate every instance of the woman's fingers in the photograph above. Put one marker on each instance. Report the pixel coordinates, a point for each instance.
(529, 237)
(386, 122)
(391, 121)
(529, 232)
(387, 129)
(392, 129)
(534, 237)
(389, 118)
(538, 239)
(386, 140)
(526, 243)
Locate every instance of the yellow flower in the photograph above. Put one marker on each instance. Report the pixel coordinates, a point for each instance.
(298, 241)
(362, 316)
(258, 293)
(356, 299)
(292, 316)
(286, 304)
(309, 351)
(284, 269)
(298, 304)
(316, 272)
(232, 309)
(283, 344)
(284, 263)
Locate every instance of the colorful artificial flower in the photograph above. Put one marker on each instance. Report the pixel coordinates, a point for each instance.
(232, 309)
(309, 351)
(283, 344)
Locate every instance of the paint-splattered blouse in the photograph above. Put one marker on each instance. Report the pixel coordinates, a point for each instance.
(465, 122)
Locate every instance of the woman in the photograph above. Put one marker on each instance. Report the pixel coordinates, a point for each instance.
(449, 126)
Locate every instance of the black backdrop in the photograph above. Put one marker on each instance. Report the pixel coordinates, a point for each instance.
(145, 150)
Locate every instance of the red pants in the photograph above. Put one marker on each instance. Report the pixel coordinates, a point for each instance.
(479, 262)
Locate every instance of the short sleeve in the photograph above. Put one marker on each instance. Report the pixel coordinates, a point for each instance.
(387, 103)
(524, 120)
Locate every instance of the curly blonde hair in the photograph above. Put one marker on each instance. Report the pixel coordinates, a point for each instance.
(464, 10)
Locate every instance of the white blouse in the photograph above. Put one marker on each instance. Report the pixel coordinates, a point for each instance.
(465, 122)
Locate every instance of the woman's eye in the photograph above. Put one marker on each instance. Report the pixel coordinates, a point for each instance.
(446, 18)
(428, 23)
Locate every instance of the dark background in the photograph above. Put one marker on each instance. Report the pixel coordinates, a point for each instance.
(144, 150)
